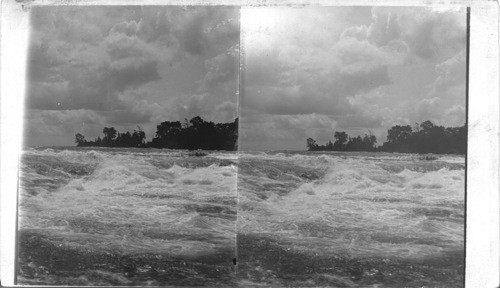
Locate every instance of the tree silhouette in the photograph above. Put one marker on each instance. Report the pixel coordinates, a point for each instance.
(340, 141)
(193, 134)
(311, 144)
(424, 138)
(196, 134)
(109, 135)
(79, 139)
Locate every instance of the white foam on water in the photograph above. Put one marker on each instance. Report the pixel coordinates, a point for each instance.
(359, 207)
(139, 206)
(362, 204)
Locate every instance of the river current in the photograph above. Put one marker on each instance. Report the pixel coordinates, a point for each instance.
(104, 216)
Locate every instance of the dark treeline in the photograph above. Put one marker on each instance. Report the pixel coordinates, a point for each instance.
(193, 134)
(113, 138)
(423, 138)
(196, 134)
(344, 142)
(426, 138)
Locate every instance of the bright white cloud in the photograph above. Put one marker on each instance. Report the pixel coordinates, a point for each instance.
(365, 69)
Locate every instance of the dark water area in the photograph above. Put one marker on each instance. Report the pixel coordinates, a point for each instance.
(268, 261)
(48, 259)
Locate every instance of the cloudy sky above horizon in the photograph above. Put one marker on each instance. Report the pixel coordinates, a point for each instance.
(307, 71)
(311, 71)
(91, 67)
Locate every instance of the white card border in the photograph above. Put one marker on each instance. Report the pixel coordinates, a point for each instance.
(482, 233)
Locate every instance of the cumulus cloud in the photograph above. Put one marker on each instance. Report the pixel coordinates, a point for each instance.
(130, 65)
(295, 78)
(40, 123)
(429, 34)
(451, 72)
(318, 81)
(365, 71)
(82, 76)
(205, 30)
(305, 71)
(455, 116)
(280, 131)
(436, 36)
(221, 68)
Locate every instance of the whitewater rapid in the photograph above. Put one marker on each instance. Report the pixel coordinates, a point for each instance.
(102, 216)
(374, 211)
(129, 202)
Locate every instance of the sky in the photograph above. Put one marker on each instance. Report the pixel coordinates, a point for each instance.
(95, 67)
(310, 71)
(305, 71)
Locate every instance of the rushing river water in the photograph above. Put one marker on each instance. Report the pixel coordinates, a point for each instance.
(97, 216)
(350, 220)
(127, 217)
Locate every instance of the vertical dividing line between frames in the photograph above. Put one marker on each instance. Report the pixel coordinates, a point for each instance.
(241, 59)
(467, 55)
(16, 247)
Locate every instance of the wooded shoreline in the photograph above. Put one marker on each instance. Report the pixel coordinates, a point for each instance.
(192, 135)
(423, 138)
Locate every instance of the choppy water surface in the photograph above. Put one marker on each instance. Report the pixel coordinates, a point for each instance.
(158, 217)
(350, 220)
(127, 217)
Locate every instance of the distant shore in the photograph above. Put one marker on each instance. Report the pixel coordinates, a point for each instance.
(422, 139)
(191, 135)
